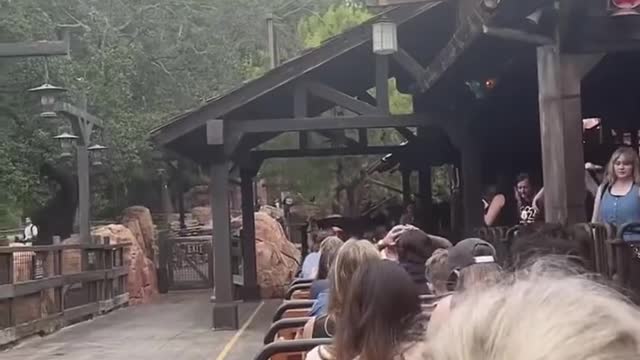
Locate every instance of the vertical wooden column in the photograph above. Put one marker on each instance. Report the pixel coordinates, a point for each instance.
(471, 186)
(406, 186)
(299, 111)
(559, 77)
(426, 198)
(225, 310)
(382, 83)
(250, 290)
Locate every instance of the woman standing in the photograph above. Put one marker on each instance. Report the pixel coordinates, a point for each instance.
(618, 198)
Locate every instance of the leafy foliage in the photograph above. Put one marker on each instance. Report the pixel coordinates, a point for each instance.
(138, 62)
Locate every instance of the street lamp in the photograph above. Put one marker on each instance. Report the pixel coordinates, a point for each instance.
(385, 37)
(96, 152)
(48, 95)
(67, 142)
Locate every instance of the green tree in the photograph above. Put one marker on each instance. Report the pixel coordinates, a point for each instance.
(138, 62)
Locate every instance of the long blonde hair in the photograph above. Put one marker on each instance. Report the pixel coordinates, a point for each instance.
(631, 155)
(351, 255)
(549, 315)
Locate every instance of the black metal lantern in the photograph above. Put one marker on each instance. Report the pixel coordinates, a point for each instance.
(97, 154)
(67, 142)
(48, 95)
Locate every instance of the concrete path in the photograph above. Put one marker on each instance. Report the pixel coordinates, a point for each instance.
(176, 326)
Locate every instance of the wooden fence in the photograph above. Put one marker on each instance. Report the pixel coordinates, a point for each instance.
(43, 288)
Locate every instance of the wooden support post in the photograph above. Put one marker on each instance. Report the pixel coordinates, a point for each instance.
(225, 310)
(406, 186)
(382, 83)
(559, 77)
(300, 109)
(471, 187)
(425, 196)
(363, 137)
(250, 290)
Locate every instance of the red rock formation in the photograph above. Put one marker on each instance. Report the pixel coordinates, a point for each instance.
(142, 283)
(276, 257)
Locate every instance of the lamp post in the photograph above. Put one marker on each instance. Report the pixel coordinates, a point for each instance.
(384, 39)
(82, 124)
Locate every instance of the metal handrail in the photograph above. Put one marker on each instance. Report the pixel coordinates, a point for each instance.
(290, 346)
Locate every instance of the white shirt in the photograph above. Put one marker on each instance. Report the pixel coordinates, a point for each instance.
(30, 232)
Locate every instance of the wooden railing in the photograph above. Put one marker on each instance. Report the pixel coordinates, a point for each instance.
(43, 288)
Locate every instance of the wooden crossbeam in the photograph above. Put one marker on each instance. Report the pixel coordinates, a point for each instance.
(344, 151)
(333, 123)
(517, 35)
(409, 64)
(341, 99)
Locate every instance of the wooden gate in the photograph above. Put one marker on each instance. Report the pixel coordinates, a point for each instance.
(188, 262)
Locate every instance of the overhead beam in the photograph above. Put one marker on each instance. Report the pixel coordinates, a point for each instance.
(406, 133)
(334, 123)
(409, 64)
(278, 77)
(517, 35)
(341, 99)
(472, 17)
(36, 48)
(347, 151)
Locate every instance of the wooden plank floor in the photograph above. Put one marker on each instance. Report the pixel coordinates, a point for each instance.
(176, 326)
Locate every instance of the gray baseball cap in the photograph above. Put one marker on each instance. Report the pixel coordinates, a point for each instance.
(469, 252)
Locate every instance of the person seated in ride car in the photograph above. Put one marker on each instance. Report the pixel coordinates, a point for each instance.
(381, 316)
(472, 266)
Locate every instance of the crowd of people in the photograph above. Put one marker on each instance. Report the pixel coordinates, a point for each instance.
(615, 201)
(542, 304)
(370, 301)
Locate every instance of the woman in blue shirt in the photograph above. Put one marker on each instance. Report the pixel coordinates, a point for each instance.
(618, 198)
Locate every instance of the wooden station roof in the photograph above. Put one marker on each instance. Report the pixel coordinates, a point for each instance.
(344, 62)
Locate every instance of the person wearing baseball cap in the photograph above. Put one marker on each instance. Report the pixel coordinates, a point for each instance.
(472, 266)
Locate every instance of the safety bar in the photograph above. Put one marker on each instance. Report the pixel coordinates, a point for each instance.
(283, 324)
(296, 287)
(291, 305)
(301, 281)
(290, 346)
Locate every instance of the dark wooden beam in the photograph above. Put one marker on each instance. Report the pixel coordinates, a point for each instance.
(335, 123)
(517, 35)
(280, 76)
(341, 99)
(382, 83)
(363, 137)
(300, 109)
(406, 133)
(251, 290)
(410, 65)
(225, 310)
(36, 48)
(345, 151)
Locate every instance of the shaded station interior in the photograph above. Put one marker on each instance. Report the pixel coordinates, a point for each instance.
(442, 53)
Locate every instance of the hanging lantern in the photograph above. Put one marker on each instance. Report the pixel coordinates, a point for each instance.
(67, 142)
(97, 154)
(48, 95)
(385, 37)
(624, 7)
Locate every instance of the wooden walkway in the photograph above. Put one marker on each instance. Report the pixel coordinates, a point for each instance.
(176, 326)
